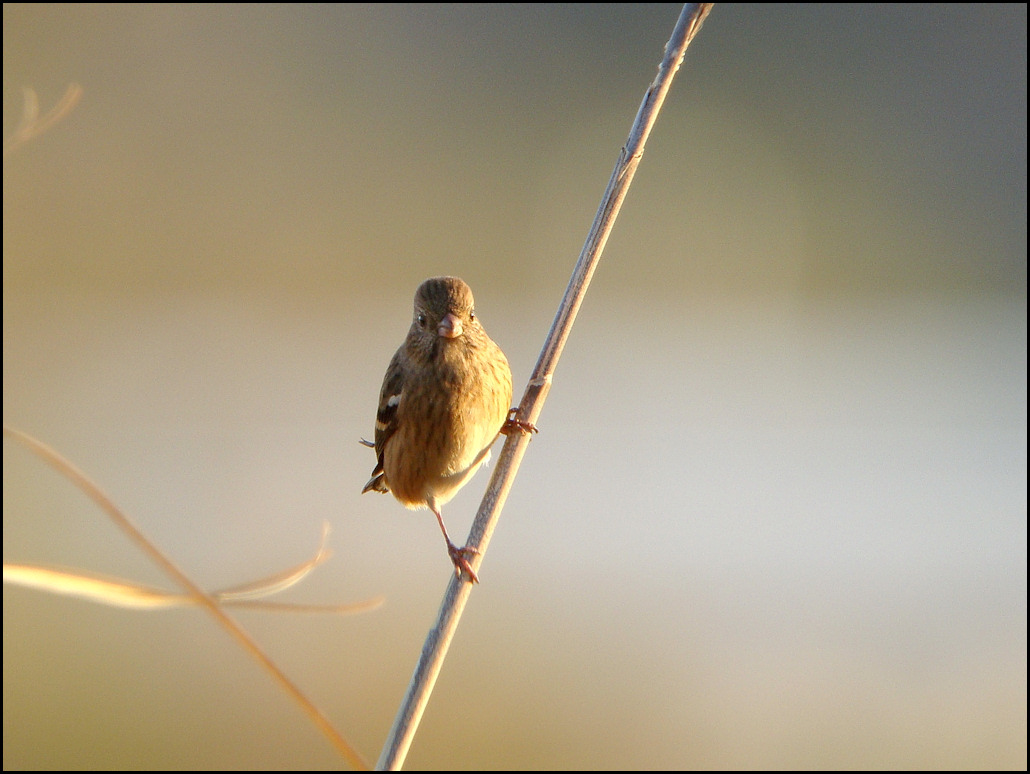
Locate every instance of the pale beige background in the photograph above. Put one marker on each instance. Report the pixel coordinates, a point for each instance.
(776, 513)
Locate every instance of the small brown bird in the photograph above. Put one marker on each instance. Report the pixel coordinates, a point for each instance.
(445, 398)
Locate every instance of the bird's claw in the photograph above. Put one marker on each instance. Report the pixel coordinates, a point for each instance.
(460, 558)
(511, 423)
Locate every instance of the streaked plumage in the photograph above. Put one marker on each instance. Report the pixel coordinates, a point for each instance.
(445, 398)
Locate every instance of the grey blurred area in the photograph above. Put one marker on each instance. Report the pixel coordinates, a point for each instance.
(776, 513)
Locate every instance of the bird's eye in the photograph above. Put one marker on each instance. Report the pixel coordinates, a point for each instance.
(421, 319)
(472, 314)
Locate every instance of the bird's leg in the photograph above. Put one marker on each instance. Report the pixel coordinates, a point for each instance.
(459, 556)
(511, 423)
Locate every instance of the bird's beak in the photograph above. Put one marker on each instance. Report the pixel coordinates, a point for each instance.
(450, 327)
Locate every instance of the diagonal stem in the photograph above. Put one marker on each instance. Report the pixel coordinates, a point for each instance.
(434, 650)
(201, 597)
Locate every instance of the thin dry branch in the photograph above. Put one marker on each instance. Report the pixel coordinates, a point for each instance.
(32, 124)
(123, 522)
(118, 592)
(437, 642)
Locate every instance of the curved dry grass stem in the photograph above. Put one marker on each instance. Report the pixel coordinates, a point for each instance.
(32, 124)
(434, 650)
(117, 592)
(83, 482)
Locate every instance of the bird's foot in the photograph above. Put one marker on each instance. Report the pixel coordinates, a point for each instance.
(511, 424)
(460, 557)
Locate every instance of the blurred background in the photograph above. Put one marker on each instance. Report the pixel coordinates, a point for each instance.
(776, 513)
